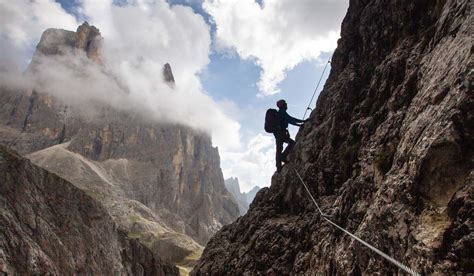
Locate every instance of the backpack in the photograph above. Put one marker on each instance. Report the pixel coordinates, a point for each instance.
(272, 120)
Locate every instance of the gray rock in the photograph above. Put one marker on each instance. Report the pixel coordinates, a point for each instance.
(160, 182)
(388, 153)
(172, 167)
(168, 74)
(243, 199)
(250, 195)
(232, 185)
(48, 226)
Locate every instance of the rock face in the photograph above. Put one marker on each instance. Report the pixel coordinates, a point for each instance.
(243, 199)
(107, 183)
(232, 185)
(86, 39)
(48, 226)
(161, 183)
(388, 153)
(168, 74)
(250, 195)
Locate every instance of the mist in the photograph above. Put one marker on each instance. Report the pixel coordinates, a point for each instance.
(138, 40)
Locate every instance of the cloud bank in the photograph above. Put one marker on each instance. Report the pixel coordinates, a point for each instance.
(21, 25)
(139, 38)
(277, 35)
(142, 35)
(254, 165)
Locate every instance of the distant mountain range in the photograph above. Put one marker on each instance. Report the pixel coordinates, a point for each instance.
(161, 183)
(243, 199)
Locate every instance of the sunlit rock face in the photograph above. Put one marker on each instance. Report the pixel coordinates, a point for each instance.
(86, 40)
(49, 226)
(388, 153)
(161, 182)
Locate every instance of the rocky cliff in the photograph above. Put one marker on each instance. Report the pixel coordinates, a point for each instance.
(232, 185)
(49, 226)
(161, 182)
(388, 153)
(243, 199)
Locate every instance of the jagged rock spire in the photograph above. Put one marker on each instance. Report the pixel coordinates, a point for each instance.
(88, 39)
(168, 74)
(60, 42)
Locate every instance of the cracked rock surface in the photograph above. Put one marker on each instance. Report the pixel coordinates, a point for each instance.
(388, 153)
(49, 226)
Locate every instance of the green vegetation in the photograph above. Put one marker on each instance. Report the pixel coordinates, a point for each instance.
(185, 266)
(134, 235)
(143, 230)
(183, 271)
(135, 218)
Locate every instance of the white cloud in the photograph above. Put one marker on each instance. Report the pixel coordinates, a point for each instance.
(138, 40)
(252, 166)
(21, 24)
(279, 34)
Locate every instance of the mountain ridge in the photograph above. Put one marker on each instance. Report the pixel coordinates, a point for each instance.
(161, 182)
(50, 226)
(387, 153)
(243, 199)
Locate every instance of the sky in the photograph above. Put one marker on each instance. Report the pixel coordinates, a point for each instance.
(232, 60)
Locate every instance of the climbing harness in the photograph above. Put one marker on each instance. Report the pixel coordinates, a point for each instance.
(316, 89)
(326, 217)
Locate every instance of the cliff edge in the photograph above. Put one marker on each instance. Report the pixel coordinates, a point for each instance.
(48, 226)
(388, 153)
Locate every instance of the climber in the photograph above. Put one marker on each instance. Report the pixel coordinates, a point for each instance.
(279, 127)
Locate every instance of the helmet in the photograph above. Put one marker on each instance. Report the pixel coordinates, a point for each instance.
(281, 103)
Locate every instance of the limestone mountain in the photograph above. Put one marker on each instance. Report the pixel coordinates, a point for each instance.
(49, 226)
(388, 153)
(160, 182)
(243, 199)
(250, 195)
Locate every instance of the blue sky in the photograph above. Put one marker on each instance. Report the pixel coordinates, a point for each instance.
(259, 52)
(231, 78)
(228, 77)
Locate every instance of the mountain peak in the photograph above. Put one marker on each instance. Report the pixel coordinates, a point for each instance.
(60, 42)
(233, 182)
(168, 74)
(88, 39)
(243, 199)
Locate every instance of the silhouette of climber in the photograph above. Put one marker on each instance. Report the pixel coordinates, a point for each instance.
(282, 135)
